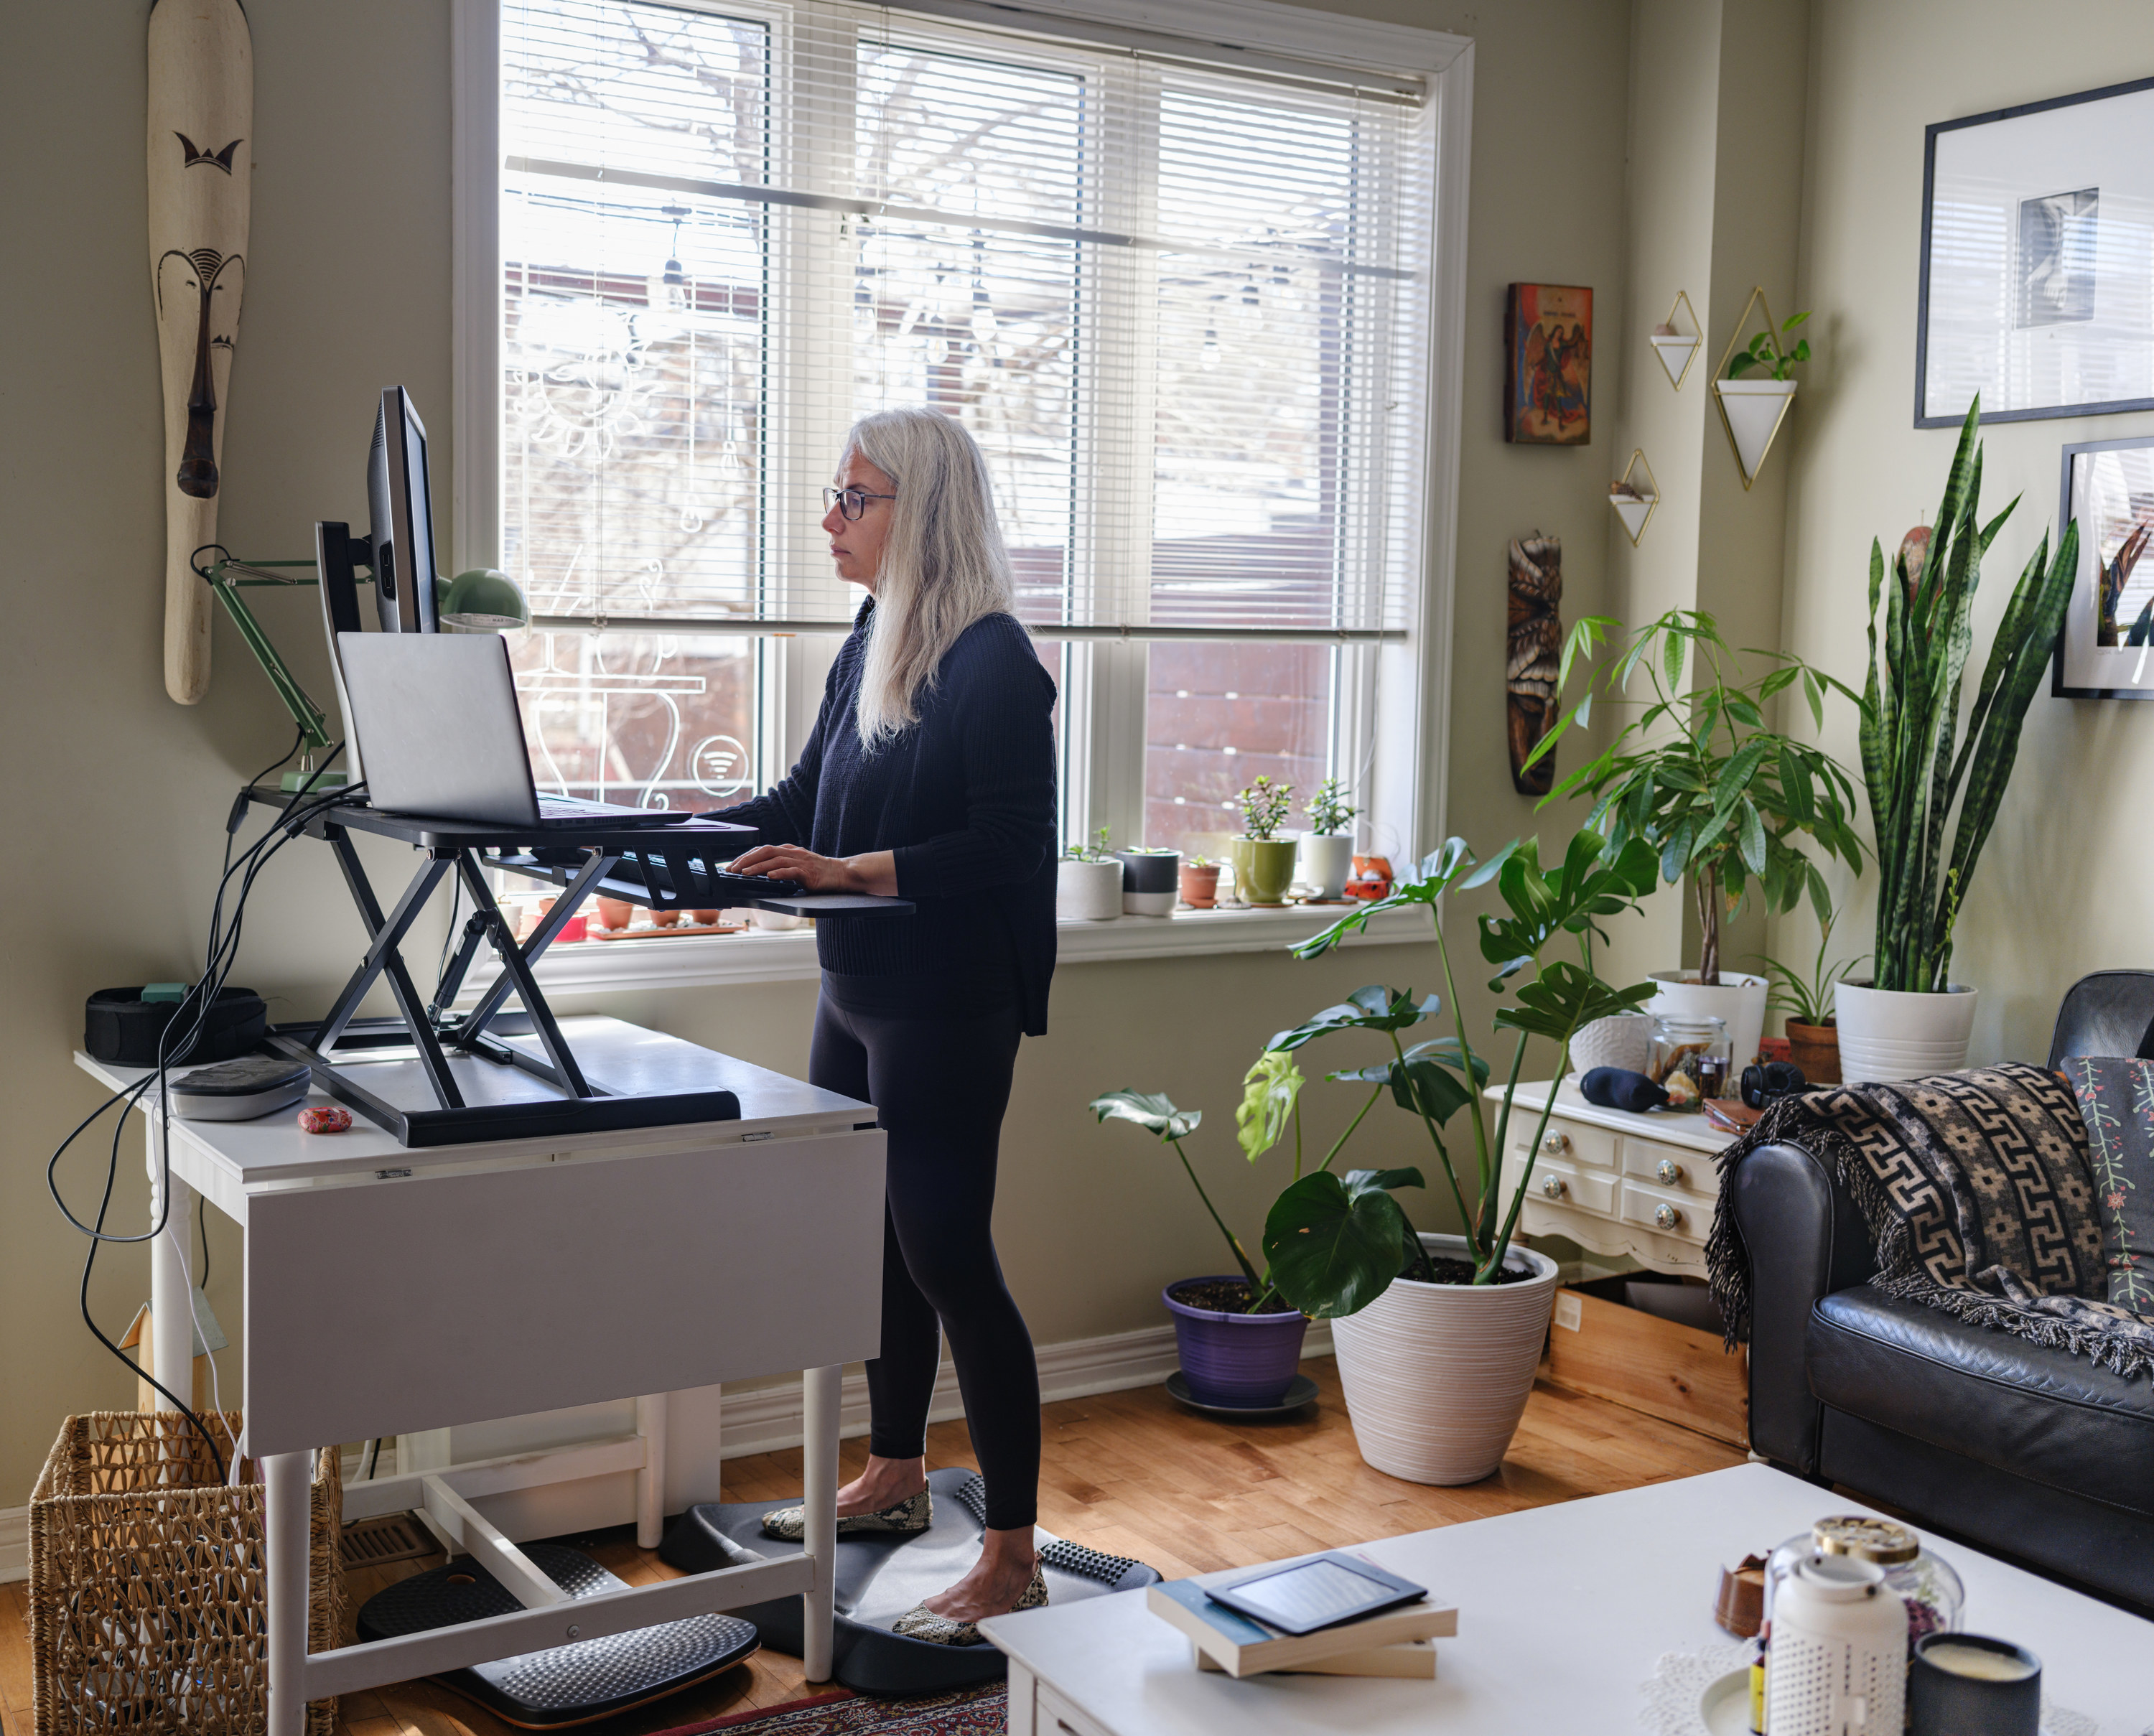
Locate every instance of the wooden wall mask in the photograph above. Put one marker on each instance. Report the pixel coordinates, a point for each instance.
(200, 151)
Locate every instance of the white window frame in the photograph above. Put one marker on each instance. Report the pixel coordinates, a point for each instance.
(1406, 718)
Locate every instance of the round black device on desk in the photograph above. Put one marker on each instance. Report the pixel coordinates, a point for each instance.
(121, 1029)
(239, 1091)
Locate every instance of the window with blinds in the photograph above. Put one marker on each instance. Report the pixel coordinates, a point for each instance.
(1182, 307)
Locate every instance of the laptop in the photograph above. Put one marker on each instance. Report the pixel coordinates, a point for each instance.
(437, 721)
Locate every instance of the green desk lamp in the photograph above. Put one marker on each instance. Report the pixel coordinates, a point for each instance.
(483, 600)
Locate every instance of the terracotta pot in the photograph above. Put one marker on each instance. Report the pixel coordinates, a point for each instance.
(1200, 886)
(1815, 1049)
(704, 918)
(665, 918)
(616, 912)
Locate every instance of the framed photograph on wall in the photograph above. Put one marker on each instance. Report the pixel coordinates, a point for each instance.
(2106, 650)
(1547, 365)
(2038, 260)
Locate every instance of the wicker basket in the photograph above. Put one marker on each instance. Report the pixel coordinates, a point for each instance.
(147, 1582)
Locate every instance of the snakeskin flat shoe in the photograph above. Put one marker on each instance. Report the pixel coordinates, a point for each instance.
(907, 1518)
(921, 1623)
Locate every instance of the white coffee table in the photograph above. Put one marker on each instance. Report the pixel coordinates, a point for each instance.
(1563, 1611)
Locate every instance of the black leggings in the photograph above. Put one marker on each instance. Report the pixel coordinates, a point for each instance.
(940, 1086)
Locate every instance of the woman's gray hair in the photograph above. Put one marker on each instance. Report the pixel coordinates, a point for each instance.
(943, 564)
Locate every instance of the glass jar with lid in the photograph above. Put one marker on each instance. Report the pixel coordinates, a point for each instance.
(1693, 1058)
(1928, 1585)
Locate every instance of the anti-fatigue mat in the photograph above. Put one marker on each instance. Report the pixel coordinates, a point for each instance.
(563, 1685)
(880, 1577)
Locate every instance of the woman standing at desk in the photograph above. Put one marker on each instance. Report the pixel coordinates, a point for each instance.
(929, 775)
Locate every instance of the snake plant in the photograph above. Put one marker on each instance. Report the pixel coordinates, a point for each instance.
(1916, 760)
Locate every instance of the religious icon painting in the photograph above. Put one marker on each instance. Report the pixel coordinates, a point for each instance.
(1547, 365)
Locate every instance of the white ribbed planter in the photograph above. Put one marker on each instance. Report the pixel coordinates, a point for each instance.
(1889, 1034)
(1437, 1374)
(1738, 1000)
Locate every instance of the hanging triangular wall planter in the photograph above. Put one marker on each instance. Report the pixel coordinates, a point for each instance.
(1677, 347)
(1751, 410)
(1634, 498)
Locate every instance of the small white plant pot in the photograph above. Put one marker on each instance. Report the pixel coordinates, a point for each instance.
(1891, 1034)
(1088, 891)
(1737, 1001)
(1623, 1039)
(1754, 409)
(1437, 1376)
(1327, 858)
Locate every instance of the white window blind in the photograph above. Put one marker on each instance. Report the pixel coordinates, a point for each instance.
(1181, 305)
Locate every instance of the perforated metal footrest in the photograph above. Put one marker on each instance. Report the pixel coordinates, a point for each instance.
(563, 1685)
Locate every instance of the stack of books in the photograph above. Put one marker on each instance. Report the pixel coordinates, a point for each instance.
(1394, 1642)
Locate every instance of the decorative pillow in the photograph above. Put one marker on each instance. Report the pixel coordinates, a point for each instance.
(2116, 1101)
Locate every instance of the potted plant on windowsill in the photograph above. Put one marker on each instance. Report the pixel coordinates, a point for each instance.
(1720, 798)
(1438, 1336)
(1327, 847)
(1263, 861)
(1912, 1019)
(1806, 998)
(1199, 882)
(1087, 885)
(1150, 879)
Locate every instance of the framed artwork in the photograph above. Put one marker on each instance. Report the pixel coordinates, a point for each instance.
(2106, 650)
(2038, 277)
(1547, 365)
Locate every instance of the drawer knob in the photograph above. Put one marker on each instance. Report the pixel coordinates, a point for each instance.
(1667, 1217)
(1669, 1171)
(1556, 1142)
(1554, 1187)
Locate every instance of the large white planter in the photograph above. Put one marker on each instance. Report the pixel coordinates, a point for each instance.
(1437, 1374)
(1889, 1034)
(1327, 858)
(1738, 1000)
(1088, 891)
(1754, 409)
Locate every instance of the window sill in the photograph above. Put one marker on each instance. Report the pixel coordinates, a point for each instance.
(763, 956)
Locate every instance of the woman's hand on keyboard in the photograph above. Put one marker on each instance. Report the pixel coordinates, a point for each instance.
(875, 872)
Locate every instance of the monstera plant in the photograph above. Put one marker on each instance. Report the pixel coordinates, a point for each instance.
(1338, 1246)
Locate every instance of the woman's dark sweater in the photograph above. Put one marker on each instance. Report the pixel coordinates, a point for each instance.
(964, 799)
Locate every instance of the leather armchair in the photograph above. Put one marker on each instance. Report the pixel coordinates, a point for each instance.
(2030, 1453)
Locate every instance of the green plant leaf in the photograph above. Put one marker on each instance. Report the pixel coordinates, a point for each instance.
(1333, 1243)
(1150, 1109)
(1269, 1091)
(1371, 1009)
(1385, 1178)
(1564, 997)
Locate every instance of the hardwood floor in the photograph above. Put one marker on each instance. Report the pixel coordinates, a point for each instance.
(1127, 1473)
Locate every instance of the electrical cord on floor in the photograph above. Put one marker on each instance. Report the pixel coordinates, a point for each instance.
(176, 1043)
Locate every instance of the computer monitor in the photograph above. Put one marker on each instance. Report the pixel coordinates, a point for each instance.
(401, 504)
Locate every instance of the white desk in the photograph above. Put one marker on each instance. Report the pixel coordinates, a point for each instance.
(393, 1291)
(1563, 1612)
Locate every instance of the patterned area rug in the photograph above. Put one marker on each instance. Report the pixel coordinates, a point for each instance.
(967, 1712)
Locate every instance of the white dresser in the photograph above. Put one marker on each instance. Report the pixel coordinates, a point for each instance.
(1641, 1185)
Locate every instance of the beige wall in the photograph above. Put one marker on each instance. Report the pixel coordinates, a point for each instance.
(349, 287)
(2056, 891)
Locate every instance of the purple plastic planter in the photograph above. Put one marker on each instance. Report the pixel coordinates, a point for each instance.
(1240, 1360)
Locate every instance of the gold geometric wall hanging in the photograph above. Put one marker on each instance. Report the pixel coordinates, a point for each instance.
(1677, 347)
(1751, 410)
(1634, 500)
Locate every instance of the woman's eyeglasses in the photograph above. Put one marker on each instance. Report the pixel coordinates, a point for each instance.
(851, 502)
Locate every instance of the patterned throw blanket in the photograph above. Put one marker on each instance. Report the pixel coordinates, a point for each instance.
(1976, 1191)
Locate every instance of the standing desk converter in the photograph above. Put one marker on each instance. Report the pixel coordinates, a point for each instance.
(392, 1289)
